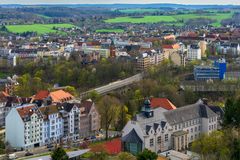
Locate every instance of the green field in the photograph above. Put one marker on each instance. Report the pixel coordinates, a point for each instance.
(139, 10)
(39, 28)
(110, 31)
(173, 19)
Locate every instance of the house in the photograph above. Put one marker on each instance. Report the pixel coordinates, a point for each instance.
(89, 119)
(160, 130)
(23, 126)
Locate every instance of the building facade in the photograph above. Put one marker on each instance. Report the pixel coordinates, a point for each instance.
(160, 130)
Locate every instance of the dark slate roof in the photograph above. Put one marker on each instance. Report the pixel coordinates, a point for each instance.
(186, 113)
(155, 126)
(68, 106)
(163, 123)
(132, 137)
(218, 110)
(148, 128)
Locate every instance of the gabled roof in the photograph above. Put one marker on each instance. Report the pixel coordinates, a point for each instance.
(87, 105)
(60, 96)
(163, 103)
(148, 128)
(41, 95)
(186, 113)
(132, 137)
(163, 124)
(56, 96)
(48, 110)
(26, 111)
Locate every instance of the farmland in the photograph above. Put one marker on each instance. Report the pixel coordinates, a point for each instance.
(172, 19)
(39, 28)
(139, 10)
(109, 31)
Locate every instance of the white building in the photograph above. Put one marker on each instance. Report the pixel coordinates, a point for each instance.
(24, 126)
(161, 130)
(53, 124)
(194, 52)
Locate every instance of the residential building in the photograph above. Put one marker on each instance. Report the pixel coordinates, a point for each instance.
(24, 127)
(70, 113)
(194, 52)
(89, 119)
(148, 59)
(52, 124)
(228, 48)
(160, 130)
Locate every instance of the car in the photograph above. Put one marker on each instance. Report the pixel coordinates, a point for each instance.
(28, 154)
(49, 146)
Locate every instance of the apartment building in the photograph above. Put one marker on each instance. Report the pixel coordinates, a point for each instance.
(160, 129)
(24, 127)
(89, 119)
(194, 52)
(54, 123)
(148, 59)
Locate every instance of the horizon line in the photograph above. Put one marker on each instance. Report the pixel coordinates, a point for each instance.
(118, 4)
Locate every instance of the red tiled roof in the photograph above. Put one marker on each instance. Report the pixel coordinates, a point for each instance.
(25, 111)
(162, 102)
(57, 96)
(113, 146)
(60, 96)
(41, 95)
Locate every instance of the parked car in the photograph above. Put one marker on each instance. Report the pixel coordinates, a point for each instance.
(28, 154)
(12, 156)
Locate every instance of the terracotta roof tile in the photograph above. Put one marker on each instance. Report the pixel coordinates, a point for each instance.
(60, 96)
(162, 102)
(41, 95)
(26, 111)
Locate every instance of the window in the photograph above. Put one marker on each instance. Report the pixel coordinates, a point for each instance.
(166, 137)
(195, 129)
(191, 138)
(159, 139)
(151, 142)
(183, 125)
(191, 130)
(175, 127)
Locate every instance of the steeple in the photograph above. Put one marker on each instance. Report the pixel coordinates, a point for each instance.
(146, 109)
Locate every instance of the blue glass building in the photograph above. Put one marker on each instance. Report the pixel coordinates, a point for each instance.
(215, 72)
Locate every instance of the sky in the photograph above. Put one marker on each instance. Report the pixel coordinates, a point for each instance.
(219, 2)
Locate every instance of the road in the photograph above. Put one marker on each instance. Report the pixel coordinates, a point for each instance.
(116, 85)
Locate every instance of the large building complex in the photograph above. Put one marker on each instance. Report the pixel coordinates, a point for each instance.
(160, 129)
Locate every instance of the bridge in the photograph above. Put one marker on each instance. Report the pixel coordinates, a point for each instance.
(115, 85)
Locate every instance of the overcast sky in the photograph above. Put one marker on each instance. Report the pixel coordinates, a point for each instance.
(236, 2)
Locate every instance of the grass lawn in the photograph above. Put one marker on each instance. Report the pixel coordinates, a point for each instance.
(139, 10)
(145, 19)
(173, 19)
(110, 31)
(39, 28)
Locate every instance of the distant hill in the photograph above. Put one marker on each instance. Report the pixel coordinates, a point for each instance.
(151, 5)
